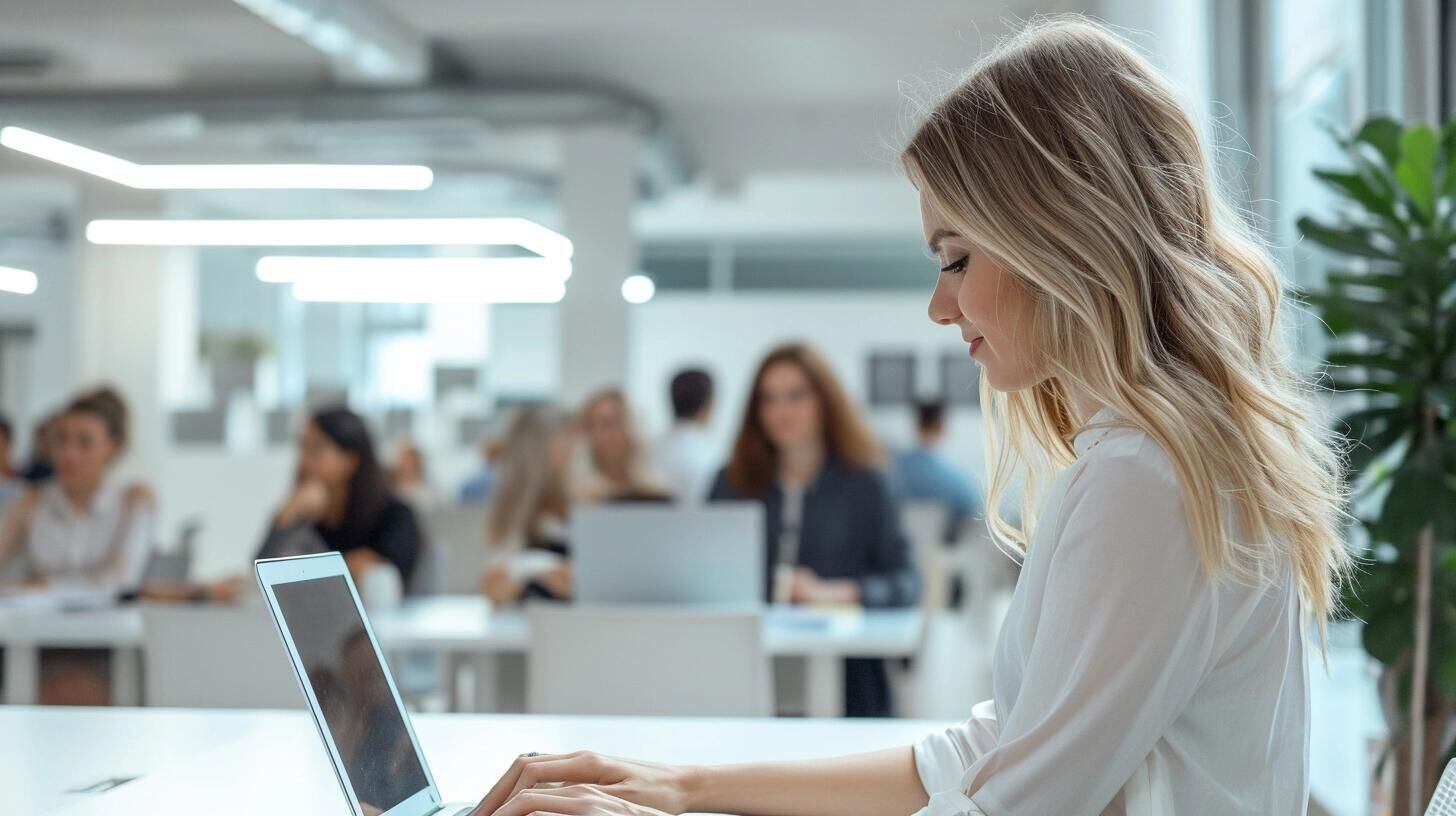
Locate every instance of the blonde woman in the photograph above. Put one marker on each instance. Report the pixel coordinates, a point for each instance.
(1153, 659)
(616, 466)
(526, 528)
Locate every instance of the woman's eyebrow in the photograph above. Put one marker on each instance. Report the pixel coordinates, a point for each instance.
(938, 236)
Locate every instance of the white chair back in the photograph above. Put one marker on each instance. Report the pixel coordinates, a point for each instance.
(647, 661)
(455, 542)
(924, 524)
(216, 657)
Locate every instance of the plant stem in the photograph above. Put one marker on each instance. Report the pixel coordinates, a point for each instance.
(1417, 768)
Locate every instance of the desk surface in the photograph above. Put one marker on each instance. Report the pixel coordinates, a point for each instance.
(466, 623)
(272, 762)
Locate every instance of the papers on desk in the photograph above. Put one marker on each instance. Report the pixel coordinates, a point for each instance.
(56, 599)
(827, 619)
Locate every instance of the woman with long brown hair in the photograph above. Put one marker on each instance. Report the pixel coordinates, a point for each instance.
(832, 528)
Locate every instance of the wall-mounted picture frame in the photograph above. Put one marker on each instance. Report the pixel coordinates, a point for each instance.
(891, 378)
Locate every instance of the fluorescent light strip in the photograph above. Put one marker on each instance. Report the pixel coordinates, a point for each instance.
(217, 176)
(335, 232)
(296, 268)
(19, 281)
(428, 287)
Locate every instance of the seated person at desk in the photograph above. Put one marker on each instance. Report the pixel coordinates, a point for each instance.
(833, 531)
(342, 495)
(83, 530)
(923, 473)
(617, 467)
(341, 502)
(526, 524)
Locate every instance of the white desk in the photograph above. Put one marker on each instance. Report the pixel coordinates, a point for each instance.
(272, 762)
(465, 625)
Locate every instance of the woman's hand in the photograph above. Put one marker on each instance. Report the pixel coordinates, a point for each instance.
(557, 580)
(808, 588)
(574, 800)
(309, 502)
(596, 785)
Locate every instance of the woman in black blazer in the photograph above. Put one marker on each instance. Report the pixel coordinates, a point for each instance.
(832, 528)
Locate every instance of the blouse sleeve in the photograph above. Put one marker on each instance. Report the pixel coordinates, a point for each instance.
(1124, 636)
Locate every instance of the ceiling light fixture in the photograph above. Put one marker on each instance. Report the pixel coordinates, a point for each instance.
(217, 176)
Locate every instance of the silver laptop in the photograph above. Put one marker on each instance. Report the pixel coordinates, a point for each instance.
(657, 554)
(365, 729)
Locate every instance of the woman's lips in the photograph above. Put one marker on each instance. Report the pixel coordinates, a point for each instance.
(975, 344)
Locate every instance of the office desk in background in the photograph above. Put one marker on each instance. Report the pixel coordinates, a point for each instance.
(463, 627)
(252, 762)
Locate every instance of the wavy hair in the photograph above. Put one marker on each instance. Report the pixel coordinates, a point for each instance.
(1067, 158)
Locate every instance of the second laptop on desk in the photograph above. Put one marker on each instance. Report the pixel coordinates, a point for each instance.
(669, 555)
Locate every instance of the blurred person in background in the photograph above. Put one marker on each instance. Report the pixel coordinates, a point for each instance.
(342, 496)
(833, 529)
(83, 531)
(10, 482)
(409, 477)
(923, 473)
(616, 466)
(38, 465)
(477, 486)
(685, 457)
(526, 524)
(341, 501)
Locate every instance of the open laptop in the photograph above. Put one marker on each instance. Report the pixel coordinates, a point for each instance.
(657, 554)
(350, 693)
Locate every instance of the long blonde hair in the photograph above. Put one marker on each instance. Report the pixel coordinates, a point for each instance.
(1068, 159)
(527, 484)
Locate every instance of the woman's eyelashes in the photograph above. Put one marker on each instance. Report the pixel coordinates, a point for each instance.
(956, 266)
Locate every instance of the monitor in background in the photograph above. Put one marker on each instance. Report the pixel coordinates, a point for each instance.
(669, 555)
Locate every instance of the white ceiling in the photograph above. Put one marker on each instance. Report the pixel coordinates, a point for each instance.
(756, 91)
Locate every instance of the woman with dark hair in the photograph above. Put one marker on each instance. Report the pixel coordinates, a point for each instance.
(342, 496)
(833, 530)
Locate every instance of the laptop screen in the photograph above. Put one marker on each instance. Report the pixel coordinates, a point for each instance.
(341, 665)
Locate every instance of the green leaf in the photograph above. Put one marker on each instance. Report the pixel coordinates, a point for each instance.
(1360, 191)
(1366, 360)
(1419, 496)
(1383, 134)
(1448, 149)
(1386, 637)
(1416, 169)
(1350, 240)
(1388, 281)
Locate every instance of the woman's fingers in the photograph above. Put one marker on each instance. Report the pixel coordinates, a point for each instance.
(505, 787)
(575, 800)
(570, 769)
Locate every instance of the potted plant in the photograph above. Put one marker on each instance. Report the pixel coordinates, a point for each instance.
(1391, 314)
(233, 360)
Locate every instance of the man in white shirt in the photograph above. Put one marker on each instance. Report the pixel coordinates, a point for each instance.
(686, 460)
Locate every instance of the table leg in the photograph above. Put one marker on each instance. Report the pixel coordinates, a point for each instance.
(486, 698)
(824, 686)
(22, 674)
(126, 677)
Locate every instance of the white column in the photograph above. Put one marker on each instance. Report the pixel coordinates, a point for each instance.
(598, 190)
(136, 326)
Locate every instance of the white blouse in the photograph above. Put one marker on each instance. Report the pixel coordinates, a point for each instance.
(104, 546)
(1126, 682)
